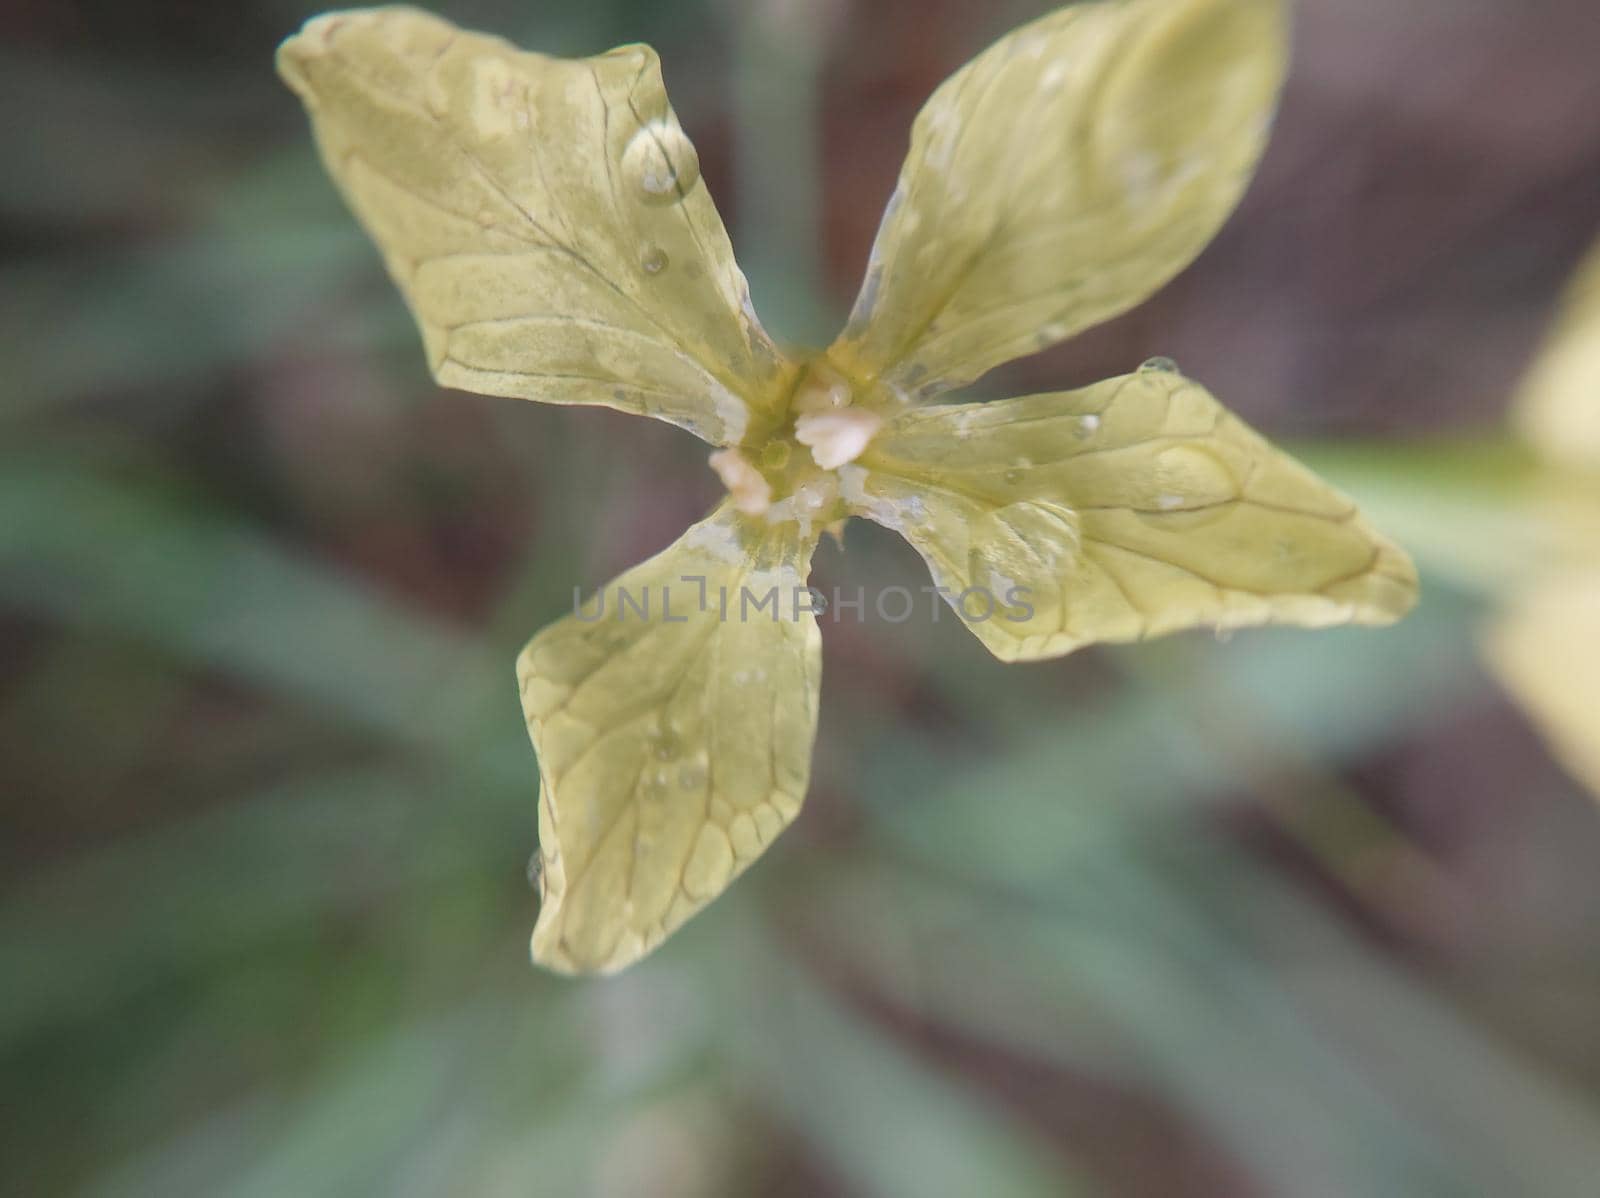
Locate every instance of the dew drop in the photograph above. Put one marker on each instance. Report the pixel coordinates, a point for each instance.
(535, 871)
(1051, 334)
(1159, 366)
(692, 776)
(661, 163)
(666, 746)
(1088, 426)
(654, 261)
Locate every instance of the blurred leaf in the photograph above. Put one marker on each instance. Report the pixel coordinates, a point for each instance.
(173, 314)
(429, 1097)
(941, 953)
(780, 173)
(1214, 1013)
(139, 143)
(91, 933)
(220, 595)
(892, 1123)
(1141, 755)
(1468, 512)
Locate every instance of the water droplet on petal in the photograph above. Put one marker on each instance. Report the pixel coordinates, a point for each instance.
(661, 163)
(654, 261)
(1050, 335)
(1159, 366)
(535, 870)
(1088, 426)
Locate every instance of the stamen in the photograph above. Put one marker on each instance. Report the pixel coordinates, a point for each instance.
(837, 438)
(752, 493)
(824, 390)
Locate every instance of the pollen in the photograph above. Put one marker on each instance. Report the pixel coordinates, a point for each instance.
(790, 471)
(749, 488)
(823, 389)
(826, 420)
(837, 438)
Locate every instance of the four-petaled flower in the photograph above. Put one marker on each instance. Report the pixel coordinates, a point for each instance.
(548, 226)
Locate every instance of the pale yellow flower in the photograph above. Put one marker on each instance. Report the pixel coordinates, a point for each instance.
(547, 223)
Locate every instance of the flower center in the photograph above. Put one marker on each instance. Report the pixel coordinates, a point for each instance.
(793, 473)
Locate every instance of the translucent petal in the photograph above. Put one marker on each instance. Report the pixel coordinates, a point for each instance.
(673, 746)
(1559, 409)
(1546, 649)
(1130, 509)
(544, 217)
(1061, 178)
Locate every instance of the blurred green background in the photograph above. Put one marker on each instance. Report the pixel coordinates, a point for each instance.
(1300, 914)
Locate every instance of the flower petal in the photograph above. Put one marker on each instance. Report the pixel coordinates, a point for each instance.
(1546, 649)
(1061, 178)
(673, 747)
(1559, 408)
(1131, 509)
(544, 217)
